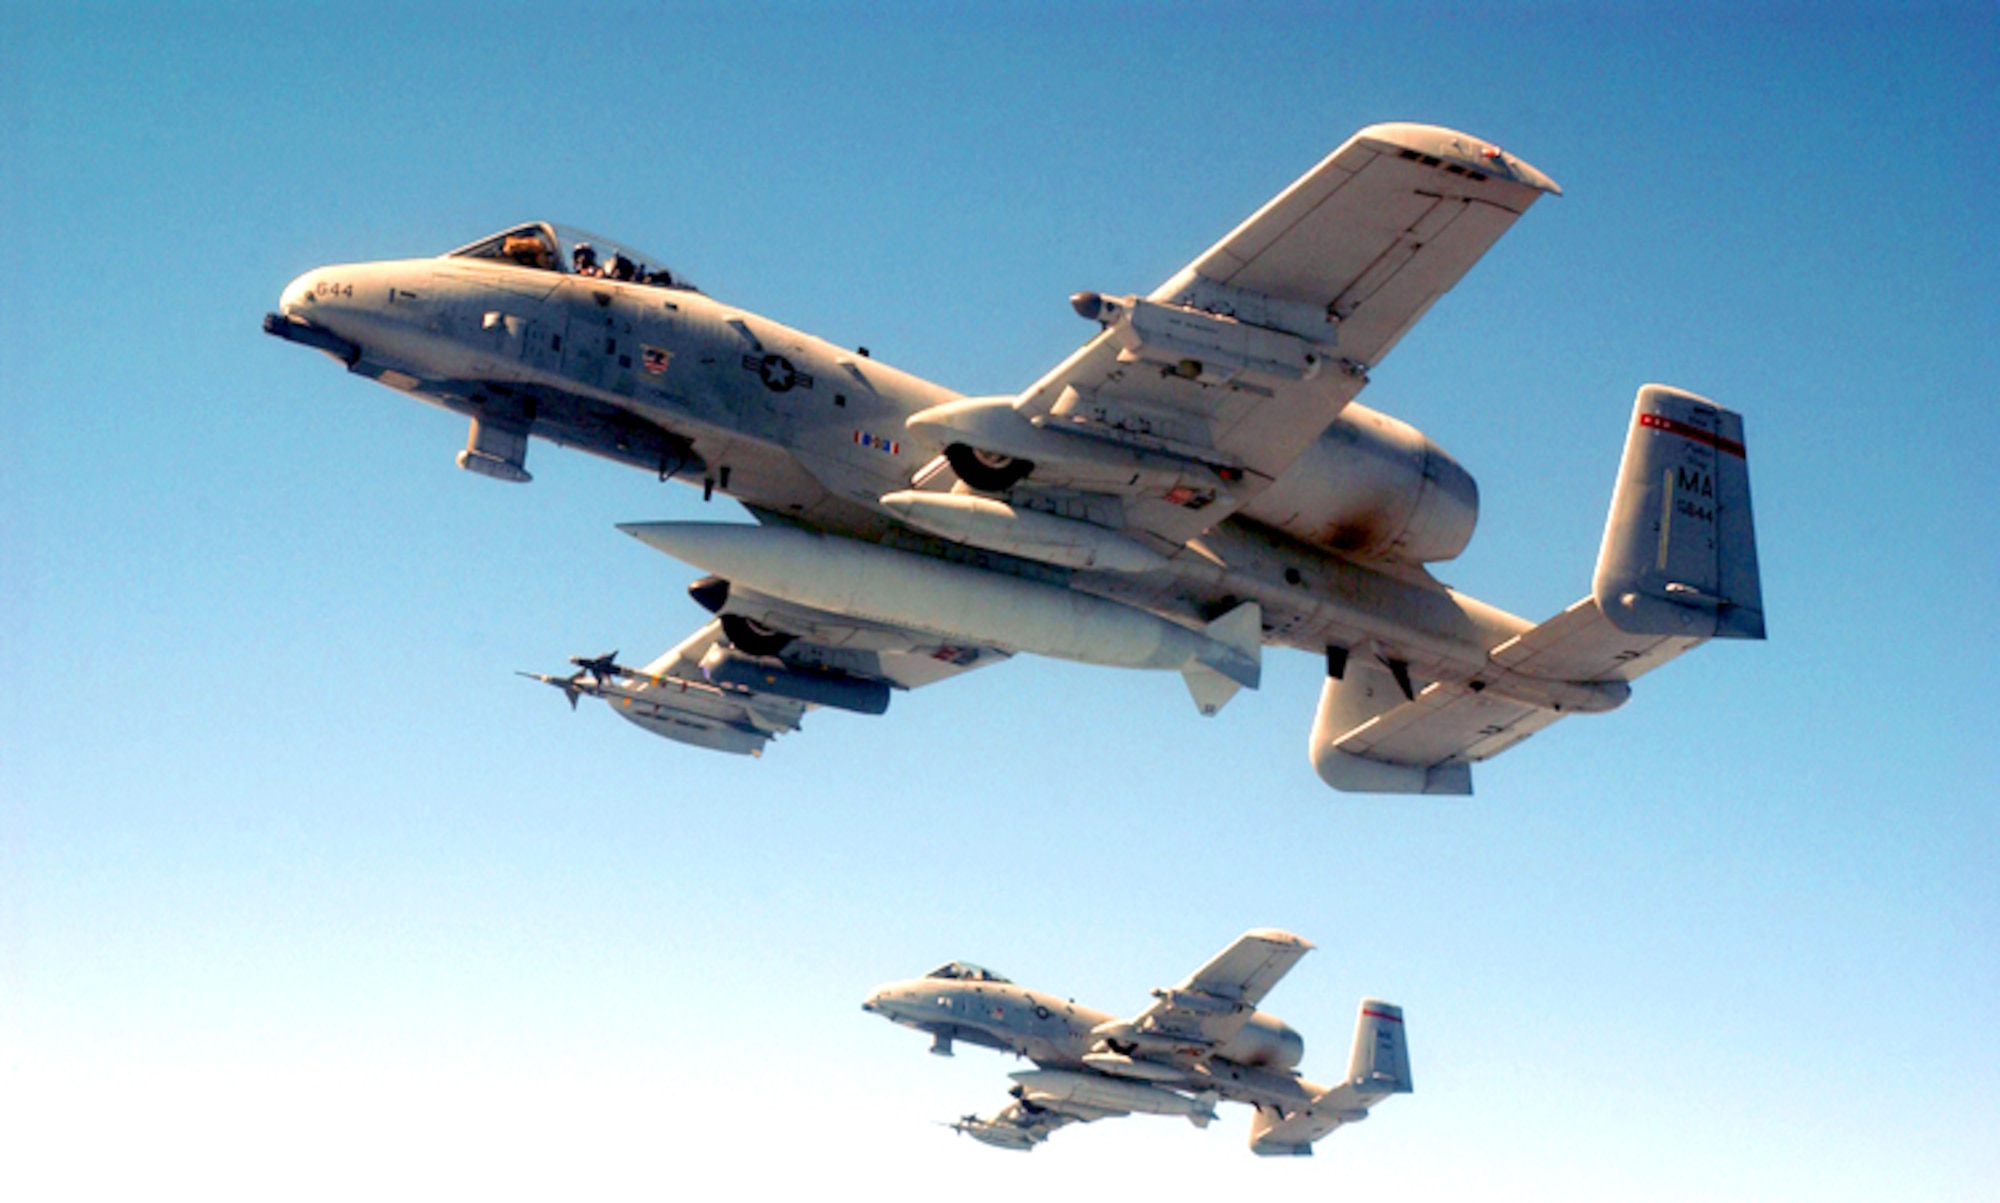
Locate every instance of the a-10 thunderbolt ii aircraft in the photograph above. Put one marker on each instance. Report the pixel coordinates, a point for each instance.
(1192, 484)
(1200, 1042)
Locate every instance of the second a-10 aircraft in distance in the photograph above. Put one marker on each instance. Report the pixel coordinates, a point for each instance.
(1199, 1042)
(1194, 483)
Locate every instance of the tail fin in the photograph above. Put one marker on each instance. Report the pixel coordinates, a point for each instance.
(1680, 550)
(1378, 1068)
(1380, 1062)
(1203, 1112)
(1234, 658)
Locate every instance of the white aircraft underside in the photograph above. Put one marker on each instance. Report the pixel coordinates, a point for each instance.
(1198, 1043)
(1194, 483)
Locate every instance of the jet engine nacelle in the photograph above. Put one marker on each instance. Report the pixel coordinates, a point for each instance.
(1375, 489)
(1265, 1042)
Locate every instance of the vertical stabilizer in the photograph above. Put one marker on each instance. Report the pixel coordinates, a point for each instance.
(1680, 550)
(1380, 1062)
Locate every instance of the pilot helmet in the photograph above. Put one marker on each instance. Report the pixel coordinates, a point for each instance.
(583, 255)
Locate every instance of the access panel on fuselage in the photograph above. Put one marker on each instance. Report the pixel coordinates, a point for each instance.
(599, 350)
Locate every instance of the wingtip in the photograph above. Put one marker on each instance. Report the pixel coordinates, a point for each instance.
(1461, 148)
(1280, 936)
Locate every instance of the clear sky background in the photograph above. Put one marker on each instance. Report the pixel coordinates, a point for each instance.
(303, 894)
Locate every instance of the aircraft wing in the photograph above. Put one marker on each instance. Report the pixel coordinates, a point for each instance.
(1231, 368)
(1244, 972)
(1207, 1009)
(753, 673)
(1426, 744)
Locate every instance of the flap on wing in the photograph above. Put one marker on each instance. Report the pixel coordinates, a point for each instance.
(1378, 230)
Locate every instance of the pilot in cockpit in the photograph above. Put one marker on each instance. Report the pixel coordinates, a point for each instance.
(964, 971)
(621, 268)
(583, 260)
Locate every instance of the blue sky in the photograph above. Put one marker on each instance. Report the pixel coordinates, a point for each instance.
(303, 893)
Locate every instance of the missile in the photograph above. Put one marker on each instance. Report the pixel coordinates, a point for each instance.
(689, 712)
(572, 687)
(970, 605)
(1112, 1094)
(1000, 1136)
(993, 524)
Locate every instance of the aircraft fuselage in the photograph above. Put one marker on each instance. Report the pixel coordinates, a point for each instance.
(673, 381)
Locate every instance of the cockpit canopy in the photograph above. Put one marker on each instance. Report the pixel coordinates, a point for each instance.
(542, 246)
(965, 971)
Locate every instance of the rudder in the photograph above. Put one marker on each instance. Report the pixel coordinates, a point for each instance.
(1680, 549)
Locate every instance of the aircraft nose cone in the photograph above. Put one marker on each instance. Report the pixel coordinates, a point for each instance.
(314, 311)
(297, 299)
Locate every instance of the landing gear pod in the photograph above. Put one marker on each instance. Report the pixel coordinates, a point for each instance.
(496, 453)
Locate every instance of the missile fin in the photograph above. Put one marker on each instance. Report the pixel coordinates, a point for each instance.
(1241, 632)
(1210, 689)
(1204, 1108)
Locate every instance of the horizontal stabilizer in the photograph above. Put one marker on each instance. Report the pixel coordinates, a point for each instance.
(1350, 745)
